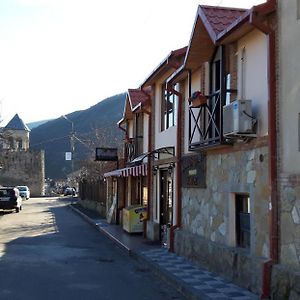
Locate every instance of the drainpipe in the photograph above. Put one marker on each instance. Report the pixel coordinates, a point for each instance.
(274, 219)
(178, 167)
(148, 172)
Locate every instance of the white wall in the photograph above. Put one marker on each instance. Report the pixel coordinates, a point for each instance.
(256, 76)
(166, 138)
(145, 133)
(195, 86)
(130, 128)
(289, 89)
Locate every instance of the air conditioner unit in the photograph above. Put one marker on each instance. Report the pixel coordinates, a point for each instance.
(238, 119)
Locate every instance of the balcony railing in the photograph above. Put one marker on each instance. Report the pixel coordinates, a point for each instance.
(205, 123)
(133, 148)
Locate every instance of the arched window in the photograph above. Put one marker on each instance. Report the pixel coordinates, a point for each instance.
(19, 144)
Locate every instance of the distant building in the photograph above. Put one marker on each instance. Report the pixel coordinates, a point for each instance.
(19, 164)
(15, 135)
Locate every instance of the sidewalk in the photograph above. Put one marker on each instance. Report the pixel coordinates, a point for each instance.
(192, 281)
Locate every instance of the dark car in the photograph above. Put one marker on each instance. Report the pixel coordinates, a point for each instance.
(10, 198)
(69, 191)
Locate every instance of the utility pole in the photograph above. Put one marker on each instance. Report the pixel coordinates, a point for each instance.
(72, 141)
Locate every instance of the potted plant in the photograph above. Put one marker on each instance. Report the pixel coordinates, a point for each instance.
(197, 99)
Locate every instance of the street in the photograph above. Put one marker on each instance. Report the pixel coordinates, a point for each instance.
(48, 252)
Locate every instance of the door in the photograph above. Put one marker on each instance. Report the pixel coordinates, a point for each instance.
(166, 204)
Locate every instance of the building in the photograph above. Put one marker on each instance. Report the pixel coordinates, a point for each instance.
(223, 159)
(128, 186)
(21, 165)
(226, 190)
(286, 279)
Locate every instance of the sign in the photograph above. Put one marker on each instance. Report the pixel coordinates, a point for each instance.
(106, 154)
(68, 155)
(194, 171)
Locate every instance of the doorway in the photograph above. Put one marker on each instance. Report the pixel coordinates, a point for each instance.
(166, 204)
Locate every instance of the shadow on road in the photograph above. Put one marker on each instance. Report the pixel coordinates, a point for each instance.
(54, 254)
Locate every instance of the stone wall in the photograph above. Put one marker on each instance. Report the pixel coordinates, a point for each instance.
(23, 168)
(290, 220)
(286, 275)
(207, 215)
(285, 283)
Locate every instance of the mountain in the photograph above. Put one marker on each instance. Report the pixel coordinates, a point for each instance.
(93, 127)
(36, 124)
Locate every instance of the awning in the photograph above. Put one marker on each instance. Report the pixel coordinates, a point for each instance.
(140, 170)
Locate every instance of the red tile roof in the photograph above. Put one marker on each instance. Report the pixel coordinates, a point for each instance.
(219, 18)
(137, 96)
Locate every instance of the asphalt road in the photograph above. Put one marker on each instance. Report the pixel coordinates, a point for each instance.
(48, 252)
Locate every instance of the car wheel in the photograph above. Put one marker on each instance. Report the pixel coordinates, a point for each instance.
(17, 209)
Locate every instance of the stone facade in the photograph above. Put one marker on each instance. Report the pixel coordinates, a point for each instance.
(23, 168)
(208, 232)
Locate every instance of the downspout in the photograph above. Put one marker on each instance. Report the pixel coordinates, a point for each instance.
(178, 167)
(272, 108)
(125, 158)
(148, 172)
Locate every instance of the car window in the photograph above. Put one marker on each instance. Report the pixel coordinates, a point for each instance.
(6, 193)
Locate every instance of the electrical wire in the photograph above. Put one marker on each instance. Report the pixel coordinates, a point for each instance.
(49, 141)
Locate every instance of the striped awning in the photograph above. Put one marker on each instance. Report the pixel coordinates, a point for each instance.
(140, 170)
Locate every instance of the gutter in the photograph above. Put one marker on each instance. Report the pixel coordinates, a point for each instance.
(258, 11)
(178, 167)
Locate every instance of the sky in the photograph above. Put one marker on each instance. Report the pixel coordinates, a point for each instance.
(60, 56)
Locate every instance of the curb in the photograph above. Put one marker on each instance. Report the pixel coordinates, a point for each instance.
(99, 228)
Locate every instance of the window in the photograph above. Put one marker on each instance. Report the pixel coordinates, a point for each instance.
(169, 104)
(20, 144)
(242, 205)
(298, 9)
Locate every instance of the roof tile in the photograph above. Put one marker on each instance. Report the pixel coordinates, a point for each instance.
(137, 97)
(220, 18)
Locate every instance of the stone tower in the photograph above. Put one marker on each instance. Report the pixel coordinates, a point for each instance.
(16, 135)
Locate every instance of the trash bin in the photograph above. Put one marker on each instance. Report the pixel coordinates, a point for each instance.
(133, 218)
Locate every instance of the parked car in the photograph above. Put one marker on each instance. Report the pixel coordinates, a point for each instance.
(10, 198)
(69, 191)
(24, 191)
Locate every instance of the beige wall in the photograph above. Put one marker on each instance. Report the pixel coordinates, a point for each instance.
(289, 91)
(255, 76)
(17, 135)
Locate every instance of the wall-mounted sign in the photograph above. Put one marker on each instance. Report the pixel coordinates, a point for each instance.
(106, 154)
(194, 171)
(68, 156)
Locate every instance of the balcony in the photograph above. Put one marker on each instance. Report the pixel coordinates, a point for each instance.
(133, 148)
(205, 122)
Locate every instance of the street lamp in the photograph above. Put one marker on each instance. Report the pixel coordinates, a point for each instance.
(71, 141)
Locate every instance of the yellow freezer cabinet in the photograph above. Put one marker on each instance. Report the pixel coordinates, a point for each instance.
(133, 217)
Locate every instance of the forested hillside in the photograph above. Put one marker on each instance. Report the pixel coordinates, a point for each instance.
(93, 127)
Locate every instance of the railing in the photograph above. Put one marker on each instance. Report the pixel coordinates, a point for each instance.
(133, 148)
(205, 122)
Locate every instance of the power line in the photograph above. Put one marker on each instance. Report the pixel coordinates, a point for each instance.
(48, 141)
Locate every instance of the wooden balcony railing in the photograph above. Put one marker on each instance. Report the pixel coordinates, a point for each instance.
(133, 148)
(205, 122)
